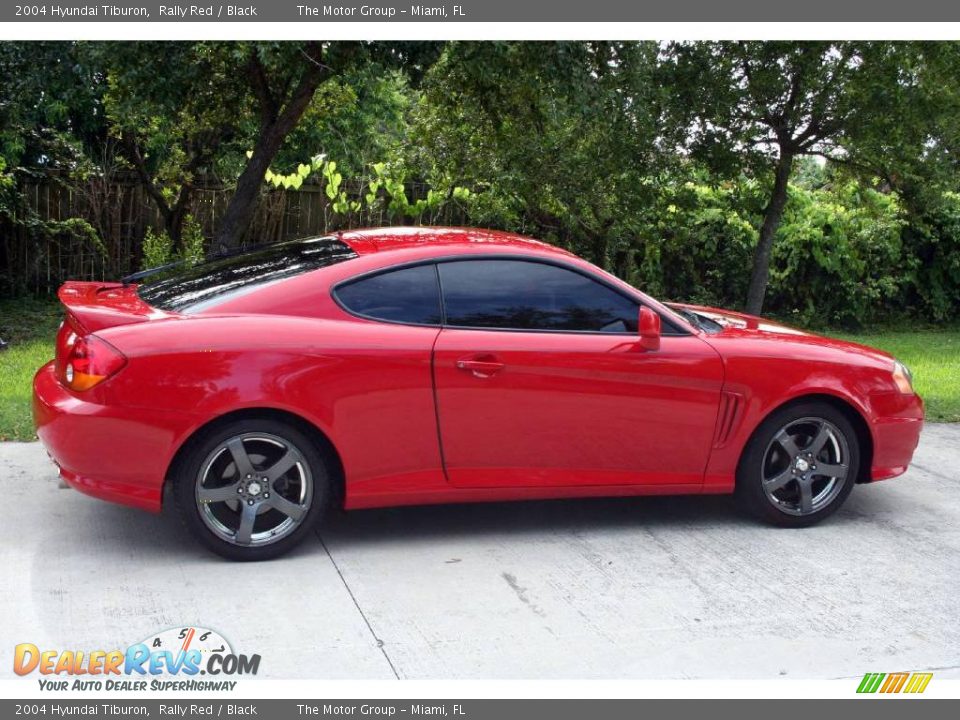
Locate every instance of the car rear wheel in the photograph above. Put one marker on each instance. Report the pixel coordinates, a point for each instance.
(799, 466)
(252, 489)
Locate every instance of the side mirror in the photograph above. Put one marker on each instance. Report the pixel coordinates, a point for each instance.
(649, 325)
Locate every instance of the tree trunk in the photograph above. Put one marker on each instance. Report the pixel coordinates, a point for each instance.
(175, 217)
(242, 206)
(760, 275)
(598, 251)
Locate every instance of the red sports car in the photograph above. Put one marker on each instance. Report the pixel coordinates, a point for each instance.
(428, 365)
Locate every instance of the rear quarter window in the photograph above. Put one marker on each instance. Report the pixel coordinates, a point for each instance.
(407, 295)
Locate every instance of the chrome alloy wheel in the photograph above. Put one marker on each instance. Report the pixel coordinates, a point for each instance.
(805, 466)
(254, 489)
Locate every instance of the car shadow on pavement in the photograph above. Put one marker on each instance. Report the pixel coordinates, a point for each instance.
(528, 518)
(543, 517)
(164, 535)
(149, 535)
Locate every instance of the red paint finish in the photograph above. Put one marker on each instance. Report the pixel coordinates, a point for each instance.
(105, 450)
(423, 414)
(575, 409)
(769, 364)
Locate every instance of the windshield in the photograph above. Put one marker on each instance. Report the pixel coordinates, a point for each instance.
(706, 324)
(215, 281)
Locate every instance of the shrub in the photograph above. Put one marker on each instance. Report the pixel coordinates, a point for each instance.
(933, 244)
(158, 247)
(191, 242)
(839, 258)
(699, 242)
(839, 255)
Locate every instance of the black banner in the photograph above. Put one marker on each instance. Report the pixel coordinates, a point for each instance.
(187, 709)
(536, 11)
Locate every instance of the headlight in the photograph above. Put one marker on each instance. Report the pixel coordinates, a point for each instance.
(902, 377)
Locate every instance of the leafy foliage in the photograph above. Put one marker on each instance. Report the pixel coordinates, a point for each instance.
(556, 139)
(845, 253)
(158, 247)
(839, 257)
(758, 106)
(833, 167)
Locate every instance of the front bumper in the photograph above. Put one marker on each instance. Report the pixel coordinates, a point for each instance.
(896, 425)
(118, 454)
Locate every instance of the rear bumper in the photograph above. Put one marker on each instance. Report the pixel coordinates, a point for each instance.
(117, 454)
(896, 427)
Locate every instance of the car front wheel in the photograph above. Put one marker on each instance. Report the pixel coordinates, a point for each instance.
(252, 489)
(799, 466)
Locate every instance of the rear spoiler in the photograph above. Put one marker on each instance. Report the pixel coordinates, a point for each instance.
(97, 305)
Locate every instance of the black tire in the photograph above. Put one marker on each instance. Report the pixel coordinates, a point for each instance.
(312, 469)
(766, 463)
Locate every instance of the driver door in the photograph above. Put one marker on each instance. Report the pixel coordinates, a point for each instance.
(540, 381)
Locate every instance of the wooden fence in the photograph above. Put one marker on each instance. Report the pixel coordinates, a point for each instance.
(36, 256)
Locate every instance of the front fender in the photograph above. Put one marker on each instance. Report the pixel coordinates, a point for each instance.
(768, 382)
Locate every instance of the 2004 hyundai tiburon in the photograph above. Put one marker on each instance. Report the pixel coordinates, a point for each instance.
(431, 365)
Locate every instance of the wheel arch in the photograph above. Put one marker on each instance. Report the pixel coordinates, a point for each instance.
(319, 438)
(849, 410)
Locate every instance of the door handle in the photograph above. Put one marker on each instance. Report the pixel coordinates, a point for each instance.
(481, 366)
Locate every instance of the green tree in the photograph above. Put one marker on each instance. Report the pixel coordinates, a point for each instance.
(283, 79)
(559, 139)
(762, 104)
(187, 110)
(51, 109)
(906, 131)
(905, 120)
(51, 125)
(175, 109)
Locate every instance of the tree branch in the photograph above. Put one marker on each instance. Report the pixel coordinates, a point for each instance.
(140, 166)
(261, 89)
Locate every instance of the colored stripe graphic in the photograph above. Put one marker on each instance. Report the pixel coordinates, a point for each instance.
(894, 682)
(918, 682)
(870, 682)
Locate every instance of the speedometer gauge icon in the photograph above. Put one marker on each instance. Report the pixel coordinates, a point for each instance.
(184, 639)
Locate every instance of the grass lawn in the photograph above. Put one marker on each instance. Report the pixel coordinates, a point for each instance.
(30, 326)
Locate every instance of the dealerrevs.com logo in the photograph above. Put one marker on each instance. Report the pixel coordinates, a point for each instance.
(174, 659)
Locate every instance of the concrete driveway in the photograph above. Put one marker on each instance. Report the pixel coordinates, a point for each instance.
(647, 587)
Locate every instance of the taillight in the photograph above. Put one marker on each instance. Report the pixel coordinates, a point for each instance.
(90, 361)
(66, 337)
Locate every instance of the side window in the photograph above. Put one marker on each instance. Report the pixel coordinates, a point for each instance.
(523, 295)
(408, 295)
